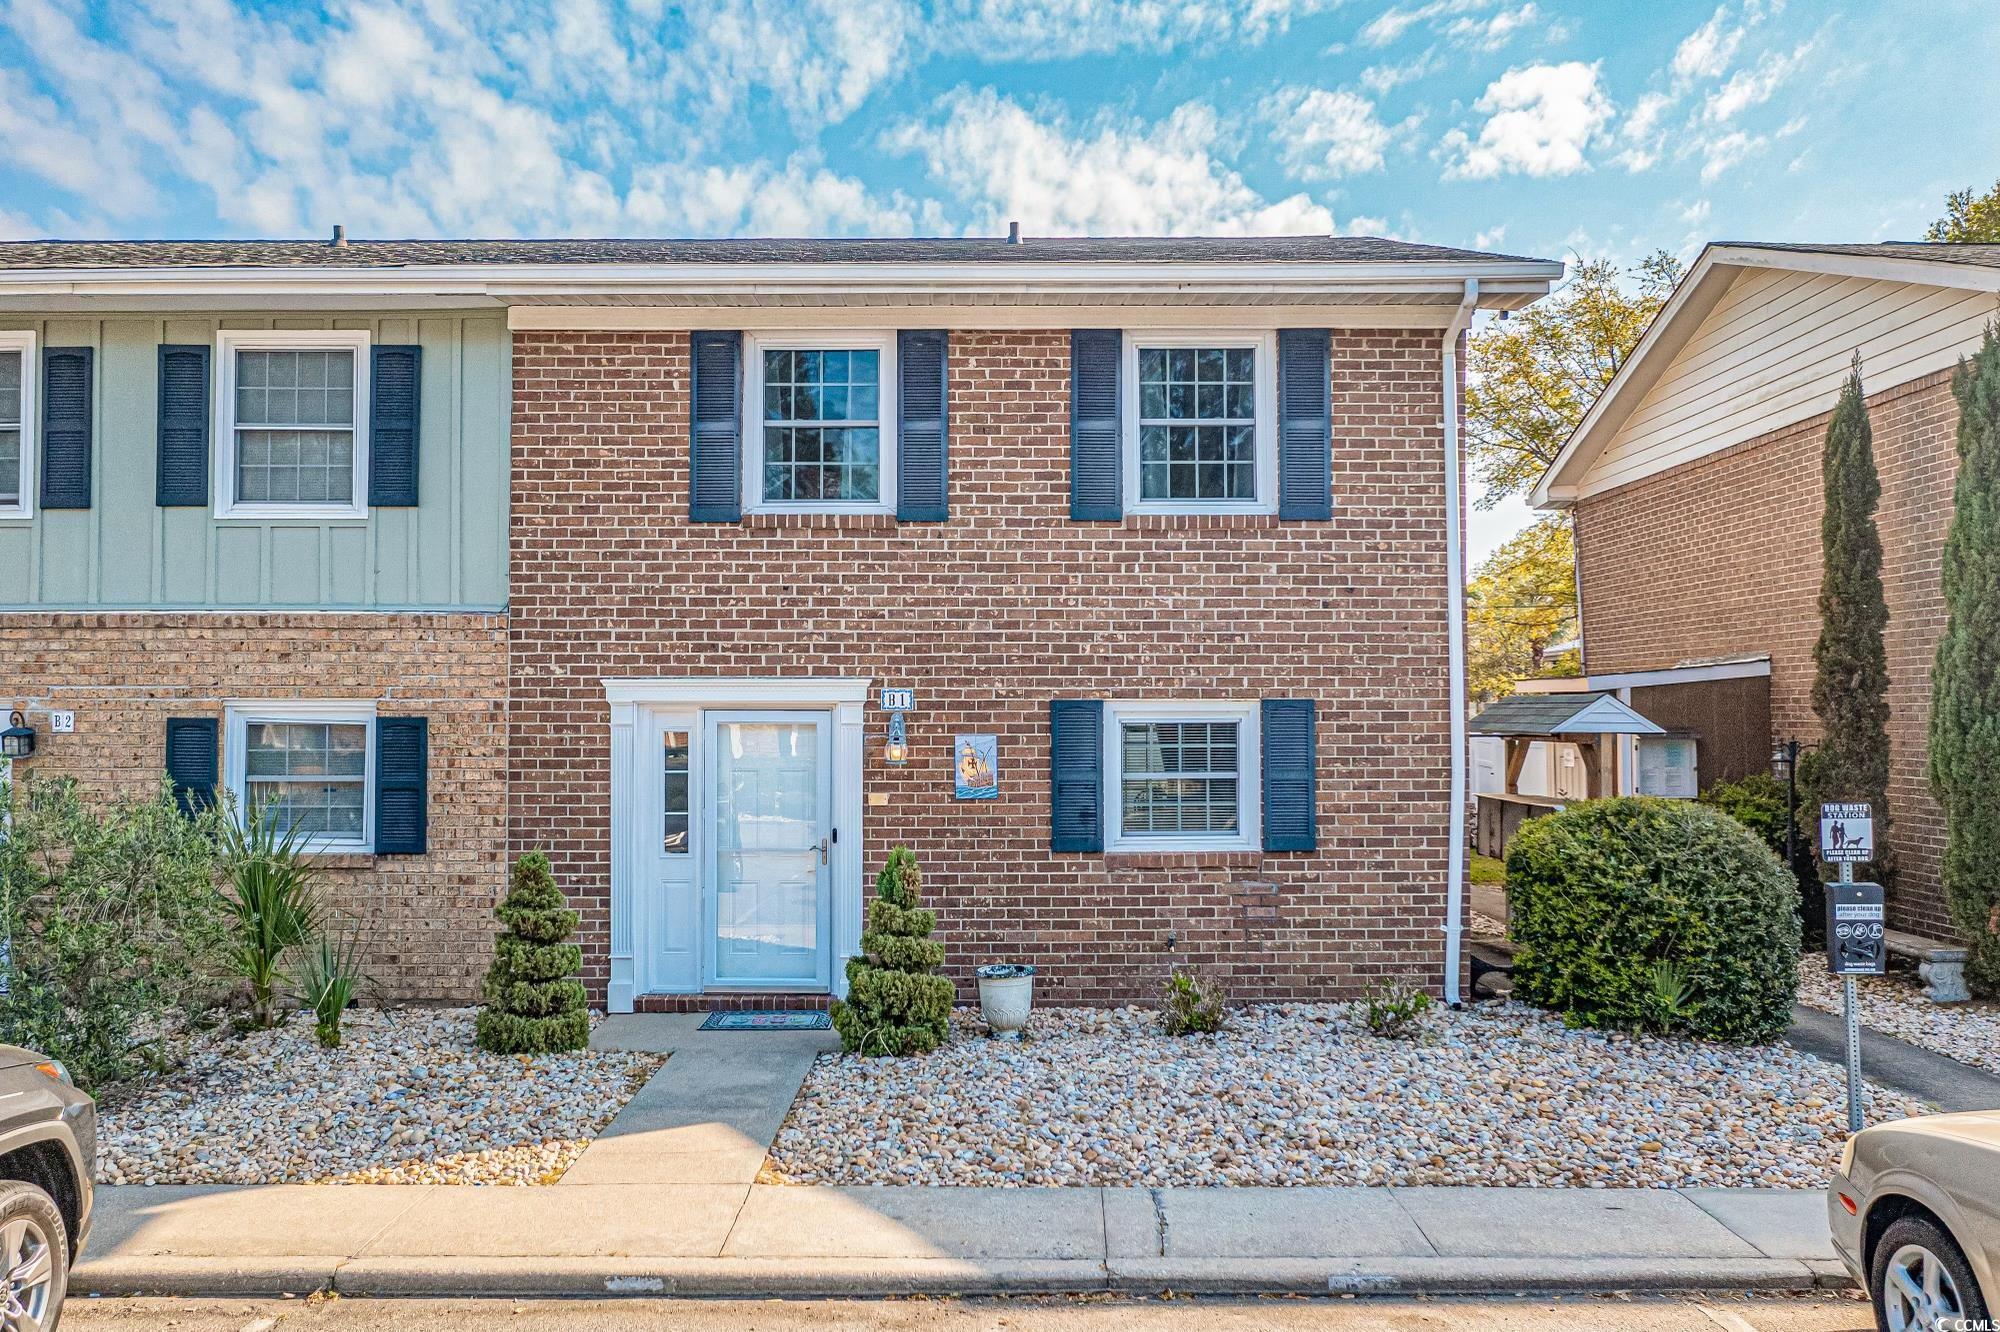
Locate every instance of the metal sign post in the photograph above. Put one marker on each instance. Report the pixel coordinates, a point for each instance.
(1855, 918)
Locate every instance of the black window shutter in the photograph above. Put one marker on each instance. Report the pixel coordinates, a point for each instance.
(395, 393)
(1096, 477)
(402, 779)
(183, 427)
(1290, 820)
(923, 491)
(1305, 425)
(715, 487)
(1076, 774)
(193, 763)
(66, 426)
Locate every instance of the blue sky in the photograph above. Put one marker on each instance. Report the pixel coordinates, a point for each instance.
(1546, 127)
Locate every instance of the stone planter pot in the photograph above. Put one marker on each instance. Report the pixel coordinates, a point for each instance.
(1006, 994)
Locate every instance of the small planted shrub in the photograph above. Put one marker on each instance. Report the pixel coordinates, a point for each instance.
(1757, 802)
(110, 923)
(534, 1002)
(1194, 1003)
(274, 906)
(1648, 914)
(896, 1003)
(329, 973)
(1395, 1012)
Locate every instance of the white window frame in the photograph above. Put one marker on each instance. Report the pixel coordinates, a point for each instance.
(237, 717)
(754, 347)
(228, 342)
(31, 383)
(1264, 344)
(1249, 835)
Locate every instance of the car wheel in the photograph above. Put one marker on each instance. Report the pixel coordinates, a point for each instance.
(1920, 1280)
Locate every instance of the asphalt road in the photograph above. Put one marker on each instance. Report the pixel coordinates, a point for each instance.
(1037, 1314)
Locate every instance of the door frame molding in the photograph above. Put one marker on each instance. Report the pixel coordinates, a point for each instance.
(846, 697)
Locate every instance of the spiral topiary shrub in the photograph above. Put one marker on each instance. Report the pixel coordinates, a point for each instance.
(896, 1004)
(1609, 896)
(534, 1003)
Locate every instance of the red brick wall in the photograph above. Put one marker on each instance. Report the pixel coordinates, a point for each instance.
(427, 920)
(987, 618)
(1721, 557)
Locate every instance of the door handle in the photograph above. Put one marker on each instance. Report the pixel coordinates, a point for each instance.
(822, 849)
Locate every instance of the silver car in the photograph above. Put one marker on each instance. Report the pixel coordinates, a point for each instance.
(1915, 1213)
(48, 1154)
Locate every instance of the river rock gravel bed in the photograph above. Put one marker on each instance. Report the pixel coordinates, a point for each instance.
(1895, 1004)
(1499, 1094)
(406, 1099)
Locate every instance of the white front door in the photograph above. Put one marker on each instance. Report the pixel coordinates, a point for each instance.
(768, 811)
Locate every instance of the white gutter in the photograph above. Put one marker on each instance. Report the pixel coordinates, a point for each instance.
(1454, 553)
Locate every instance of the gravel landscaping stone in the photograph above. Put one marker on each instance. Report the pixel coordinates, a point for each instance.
(1501, 1094)
(1482, 926)
(406, 1099)
(1895, 1005)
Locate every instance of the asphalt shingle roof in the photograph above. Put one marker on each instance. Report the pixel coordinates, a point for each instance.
(1034, 249)
(1985, 256)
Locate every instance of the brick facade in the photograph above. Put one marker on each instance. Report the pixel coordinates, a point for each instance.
(1721, 557)
(427, 920)
(988, 617)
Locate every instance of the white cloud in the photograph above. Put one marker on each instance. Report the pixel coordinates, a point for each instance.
(1705, 59)
(1706, 52)
(1494, 31)
(1725, 151)
(1324, 133)
(1541, 120)
(1388, 27)
(991, 30)
(1385, 79)
(1109, 178)
(1462, 22)
(801, 198)
(1490, 238)
(1754, 86)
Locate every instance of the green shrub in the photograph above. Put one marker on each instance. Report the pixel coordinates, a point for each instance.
(274, 905)
(1606, 891)
(534, 1003)
(111, 924)
(895, 1003)
(1395, 1012)
(1757, 802)
(329, 973)
(1194, 1003)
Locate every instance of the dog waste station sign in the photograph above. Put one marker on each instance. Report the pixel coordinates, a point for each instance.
(1856, 924)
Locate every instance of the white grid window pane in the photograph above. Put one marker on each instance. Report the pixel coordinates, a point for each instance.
(295, 427)
(309, 777)
(1197, 423)
(822, 425)
(1178, 778)
(674, 774)
(10, 427)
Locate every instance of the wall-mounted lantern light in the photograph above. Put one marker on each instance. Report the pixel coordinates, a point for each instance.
(18, 740)
(898, 751)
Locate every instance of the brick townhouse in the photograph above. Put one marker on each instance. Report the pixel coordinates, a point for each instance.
(612, 548)
(1695, 487)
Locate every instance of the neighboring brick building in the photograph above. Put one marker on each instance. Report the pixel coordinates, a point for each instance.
(1166, 520)
(1695, 489)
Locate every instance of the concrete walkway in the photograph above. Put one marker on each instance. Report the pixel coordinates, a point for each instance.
(723, 1239)
(710, 1115)
(1945, 1083)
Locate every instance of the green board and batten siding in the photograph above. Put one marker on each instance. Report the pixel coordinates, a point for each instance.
(125, 552)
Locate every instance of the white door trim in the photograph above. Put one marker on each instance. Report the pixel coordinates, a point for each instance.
(632, 825)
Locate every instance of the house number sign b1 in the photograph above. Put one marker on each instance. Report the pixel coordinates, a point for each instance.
(899, 700)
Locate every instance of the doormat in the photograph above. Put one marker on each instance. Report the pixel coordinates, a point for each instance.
(765, 1019)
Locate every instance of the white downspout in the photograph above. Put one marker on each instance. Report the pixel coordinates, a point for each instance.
(1454, 552)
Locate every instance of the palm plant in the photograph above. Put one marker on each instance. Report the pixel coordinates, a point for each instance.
(273, 900)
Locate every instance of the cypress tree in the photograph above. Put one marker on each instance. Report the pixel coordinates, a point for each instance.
(1965, 686)
(534, 1003)
(1850, 692)
(895, 1004)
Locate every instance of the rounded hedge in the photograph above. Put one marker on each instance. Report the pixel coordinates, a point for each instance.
(1640, 913)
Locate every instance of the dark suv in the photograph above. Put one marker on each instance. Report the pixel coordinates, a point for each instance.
(48, 1154)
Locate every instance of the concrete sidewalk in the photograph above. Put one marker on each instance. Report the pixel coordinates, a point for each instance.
(737, 1239)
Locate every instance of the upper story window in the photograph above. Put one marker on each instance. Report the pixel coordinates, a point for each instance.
(1200, 432)
(308, 767)
(292, 425)
(822, 433)
(17, 450)
(1186, 776)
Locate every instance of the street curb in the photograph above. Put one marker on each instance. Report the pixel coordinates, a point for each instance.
(466, 1278)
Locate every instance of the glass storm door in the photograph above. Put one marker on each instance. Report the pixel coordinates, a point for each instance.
(770, 799)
